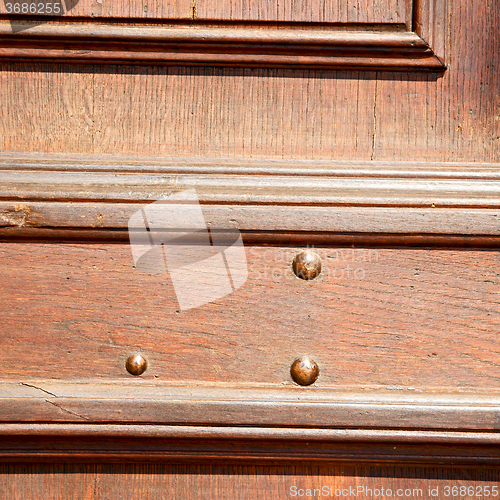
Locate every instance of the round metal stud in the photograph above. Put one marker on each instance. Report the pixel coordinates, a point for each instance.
(304, 370)
(136, 364)
(307, 265)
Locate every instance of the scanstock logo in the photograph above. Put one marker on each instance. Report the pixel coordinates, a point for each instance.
(204, 264)
(26, 14)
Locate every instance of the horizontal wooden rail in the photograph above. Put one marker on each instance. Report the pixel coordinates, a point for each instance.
(122, 421)
(194, 44)
(265, 199)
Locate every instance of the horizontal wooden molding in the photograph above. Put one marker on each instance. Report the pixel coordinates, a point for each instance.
(288, 406)
(151, 442)
(266, 197)
(279, 238)
(254, 166)
(113, 421)
(244, 189)
(266, 45)
(288, 219)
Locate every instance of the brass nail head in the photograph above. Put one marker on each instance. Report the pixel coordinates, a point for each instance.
(307, 265)
(304, 370)
(136, 364)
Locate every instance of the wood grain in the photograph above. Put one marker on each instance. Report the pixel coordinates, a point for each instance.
(154, 482)
(243, 113)
(235, 113)
(279, 200)
(126, 443)
(266, 224)
(45, 111)
(378, 318)
(245, 46)
(326, 11)
(406, 338)
(144, 9)
(412, 115)
(134, 409)
(308, 184)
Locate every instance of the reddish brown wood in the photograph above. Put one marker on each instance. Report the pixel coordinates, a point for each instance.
(321, 239)
(226, 482)
(252, 411)
(412, 115)
(407, 347)
(231, 113)
(328, 11)
(63, 443)
(400, 318)
(227, 46)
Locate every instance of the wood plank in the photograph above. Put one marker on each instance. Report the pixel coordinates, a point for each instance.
(326, 11)
(50, 110)
(144, 9)
(418, 117)
(249, 46)
(194, 112)
(411, 318)
(214, 481)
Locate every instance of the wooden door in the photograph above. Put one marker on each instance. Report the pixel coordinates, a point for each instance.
(361, 135)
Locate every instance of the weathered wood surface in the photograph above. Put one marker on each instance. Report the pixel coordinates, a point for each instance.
(415, 328)
(316, 199)
(221, 482)
(252, 410)
(377, 318)
(325, 11)
(140, 420)
(282, 225)
(242, 113)
(259, 183)
(246, 46)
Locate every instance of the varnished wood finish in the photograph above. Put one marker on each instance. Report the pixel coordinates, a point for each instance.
(259, 411)
(329, 11)
(226, 482)
(392, 175)
(376, 318)
(381, 34)
(280, 46)
(87, 443)
(277, 114)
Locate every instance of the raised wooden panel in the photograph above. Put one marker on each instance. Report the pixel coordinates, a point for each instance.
(406, 341)
(261, 113)
(267, 38)
(315, 140)
(324, 11)
(378, 318)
